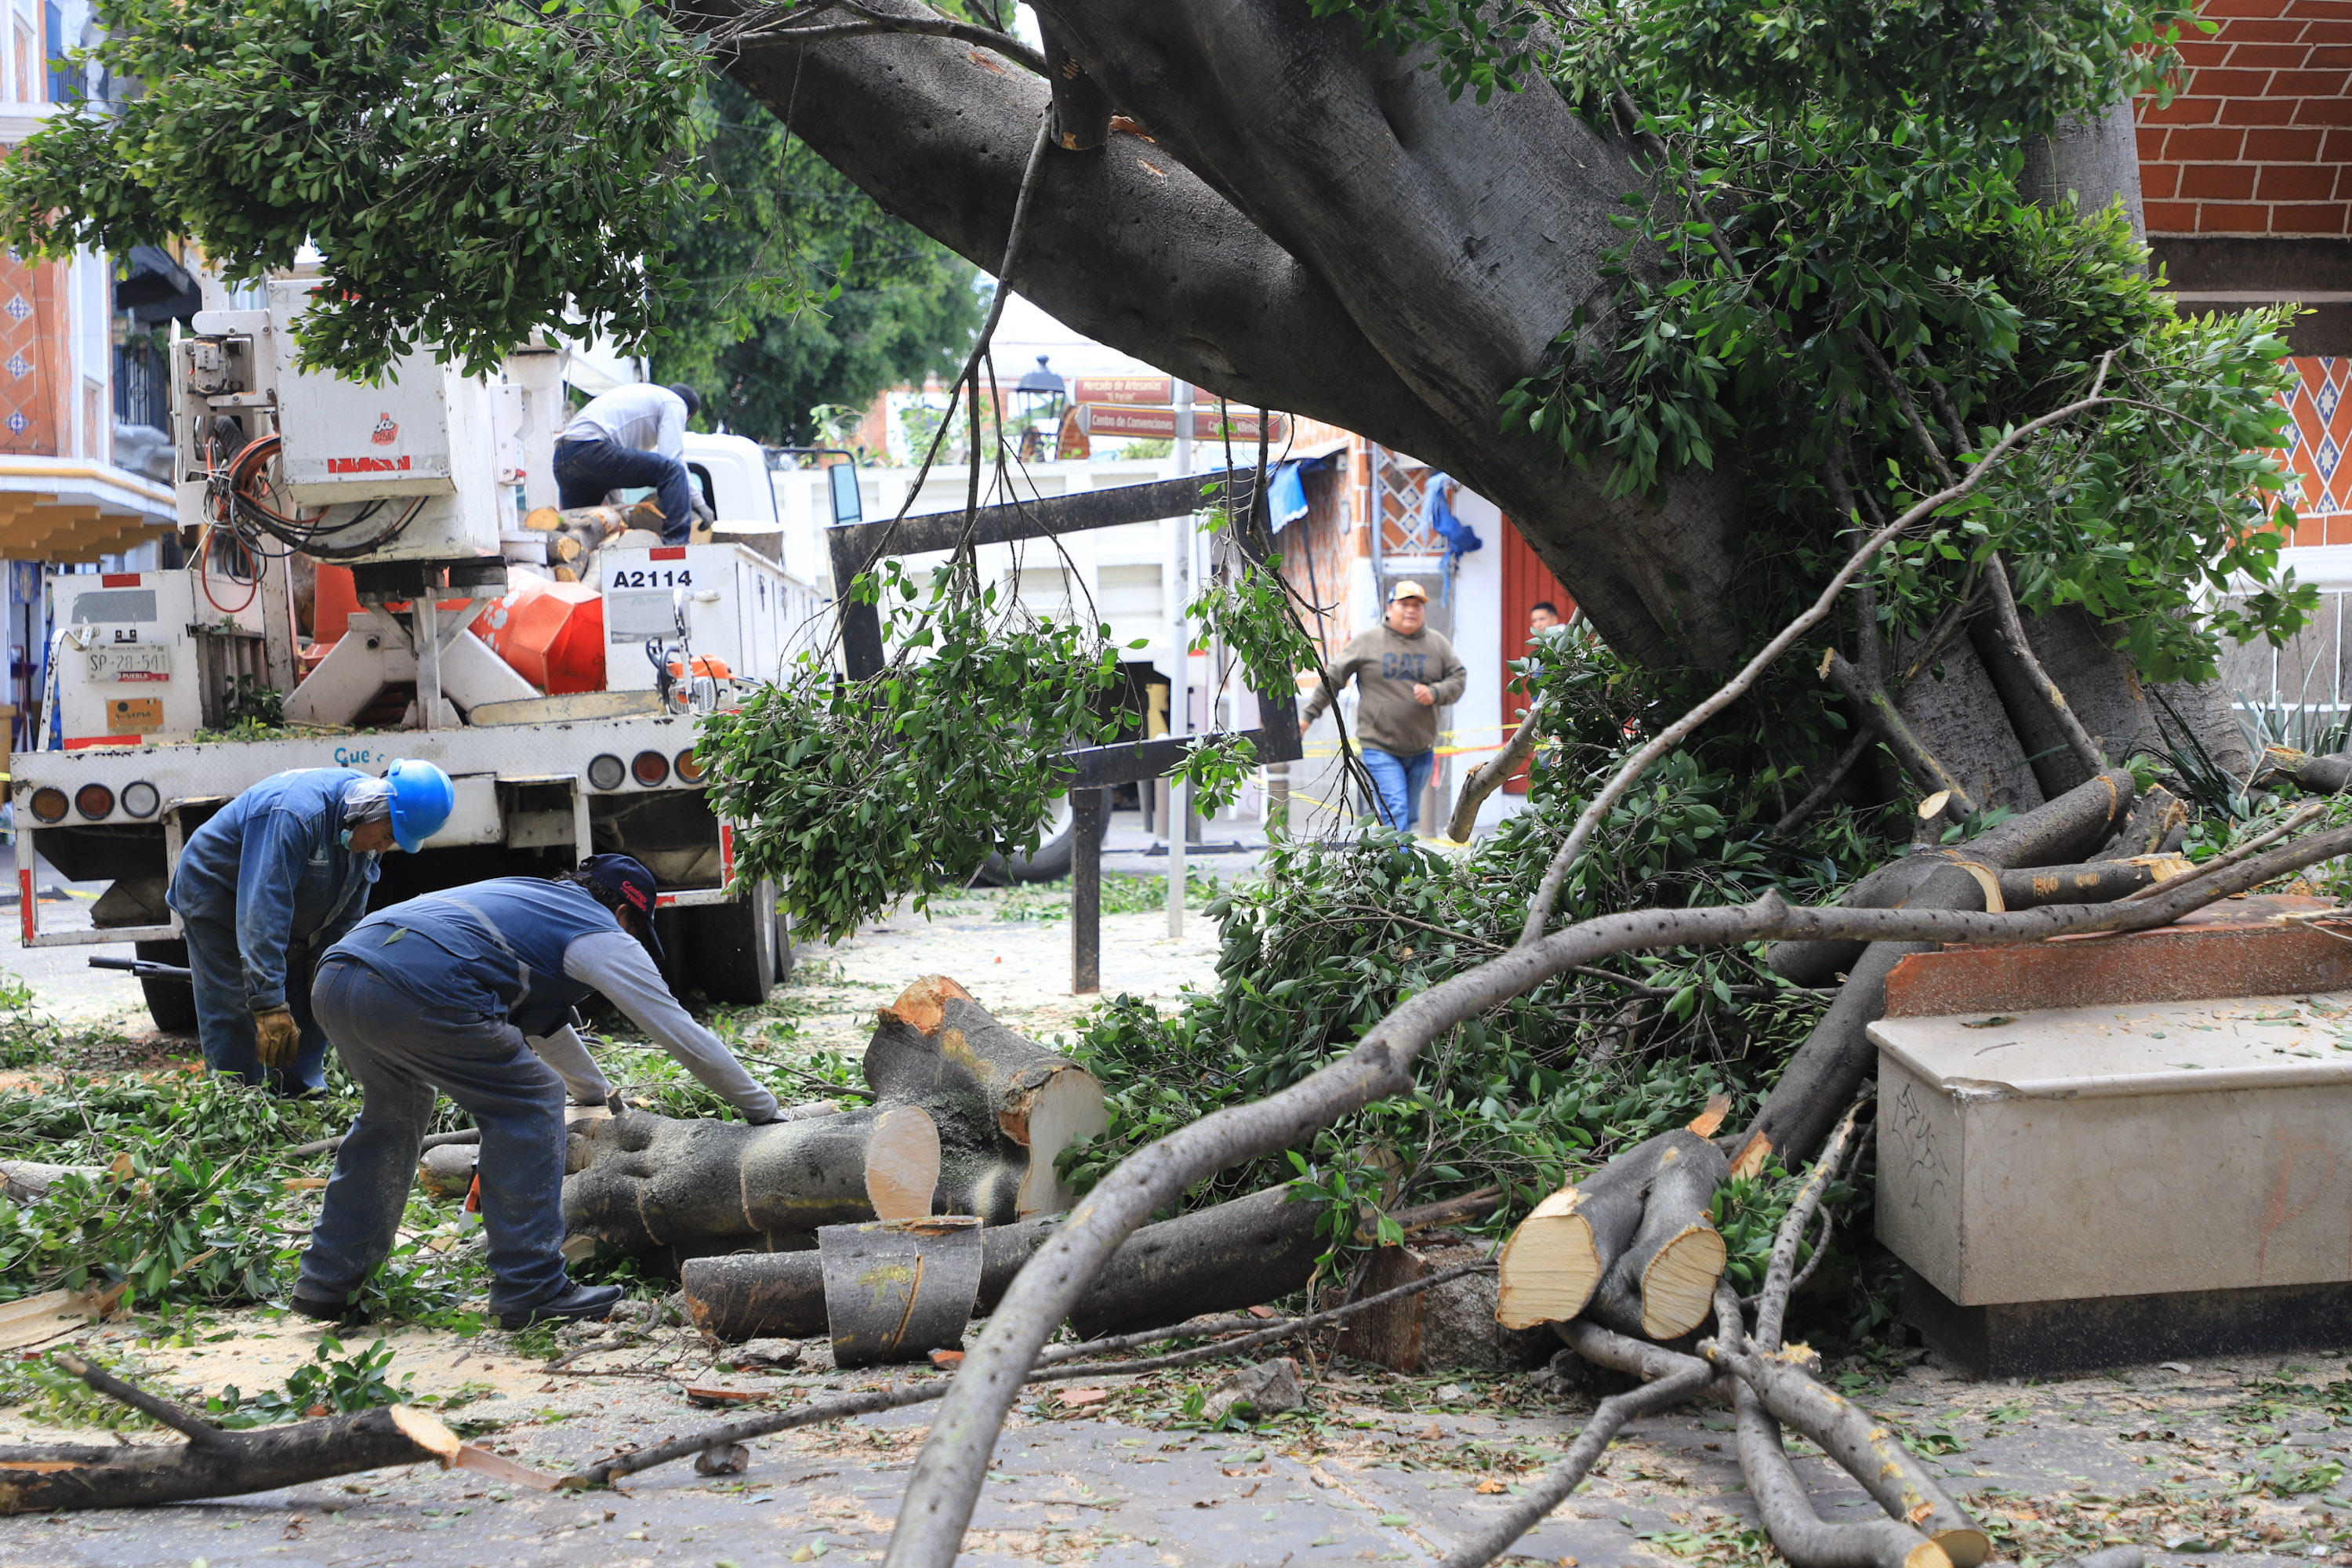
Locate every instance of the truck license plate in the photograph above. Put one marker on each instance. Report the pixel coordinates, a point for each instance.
(130, 661)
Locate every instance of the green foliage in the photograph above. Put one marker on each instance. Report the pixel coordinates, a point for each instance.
(439, 154)
(854, 795)
(331, 1383)
(799, 297)
(1543, 1085)
(186, 1228)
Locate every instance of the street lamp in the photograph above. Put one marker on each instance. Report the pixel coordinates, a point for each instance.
(1038, 395)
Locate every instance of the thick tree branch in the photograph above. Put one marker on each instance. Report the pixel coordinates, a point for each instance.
(1128, 247)
(1494, 222)
(1878, 711)
(2012, 633)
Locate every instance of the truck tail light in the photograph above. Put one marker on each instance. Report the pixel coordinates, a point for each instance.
(651, 768)
(140, 799)
(689, 770)
(49, 804)
(94, 801)
(606, 772)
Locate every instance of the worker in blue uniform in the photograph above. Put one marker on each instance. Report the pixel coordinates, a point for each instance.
(287, 866)
(469, 993)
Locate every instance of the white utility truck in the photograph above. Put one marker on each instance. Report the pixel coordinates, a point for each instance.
(454, 623)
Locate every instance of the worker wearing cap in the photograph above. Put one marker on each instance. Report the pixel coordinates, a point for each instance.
(454, 991)
(632, 437)
(1404, 672)
(282, 870)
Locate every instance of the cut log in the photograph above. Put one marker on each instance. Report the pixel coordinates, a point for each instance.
(27, 1179)
(649, 1181)
(781, 1294)
(2320, 775)
(448, 1172)
(2093, 882)
(898, 1290)
(1664, 1283)
(969, 1117)
(2059, 832)
(998, 1096)
(1449, 1327)
(1240, 1254)
(1596, 1234)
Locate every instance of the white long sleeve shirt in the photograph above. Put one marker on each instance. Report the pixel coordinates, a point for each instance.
(621, 971)
(646, 417)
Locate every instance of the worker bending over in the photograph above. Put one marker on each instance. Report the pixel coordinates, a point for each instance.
(277, 875)
(444, 993)
(632, 437)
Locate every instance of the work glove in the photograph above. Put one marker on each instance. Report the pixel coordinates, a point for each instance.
(278, 1037)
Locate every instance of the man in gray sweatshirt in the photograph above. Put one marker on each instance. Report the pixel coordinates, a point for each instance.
(1404, 672)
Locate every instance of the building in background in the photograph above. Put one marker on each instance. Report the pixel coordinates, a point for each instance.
(83, 459)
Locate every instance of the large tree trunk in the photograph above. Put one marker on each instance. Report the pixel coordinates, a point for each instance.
(1227, 243)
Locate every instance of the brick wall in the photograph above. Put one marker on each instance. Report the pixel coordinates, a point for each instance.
(2259, 140)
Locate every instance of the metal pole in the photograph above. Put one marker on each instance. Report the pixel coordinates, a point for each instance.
(1086, 892)
(1179, 683)
(424, 620)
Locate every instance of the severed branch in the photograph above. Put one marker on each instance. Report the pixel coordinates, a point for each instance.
(1921, 763)
(1051, 1367)
(214, 1463)
(1490, 776)
(2013, 634)
(1772, 1302)
(2235, 854)
(1556, 873)
(1673, 1379)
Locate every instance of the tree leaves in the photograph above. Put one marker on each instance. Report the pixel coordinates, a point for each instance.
(470, 173)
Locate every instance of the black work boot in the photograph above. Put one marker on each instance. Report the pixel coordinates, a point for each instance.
(574, 1302)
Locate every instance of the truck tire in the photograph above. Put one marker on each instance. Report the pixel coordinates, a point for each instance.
(731, 948)
(170, 1003)
(1051, 863)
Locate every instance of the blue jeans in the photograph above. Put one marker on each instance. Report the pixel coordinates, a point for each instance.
(224, 1017)
(1400, 782)
(402, 1048)
(584, 470)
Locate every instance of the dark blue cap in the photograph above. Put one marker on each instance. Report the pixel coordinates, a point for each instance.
(624, 879)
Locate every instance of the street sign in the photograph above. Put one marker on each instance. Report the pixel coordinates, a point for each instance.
(1096, 420)
(1131, 390)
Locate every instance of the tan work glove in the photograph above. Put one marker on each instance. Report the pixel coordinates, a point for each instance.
(278, 1036)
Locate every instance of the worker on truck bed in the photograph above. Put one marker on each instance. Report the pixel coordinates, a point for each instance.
(1404, 672)
(446, 993)
(282, 872)
(633, 436)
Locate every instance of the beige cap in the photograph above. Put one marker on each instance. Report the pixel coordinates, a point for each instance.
(1408, 589)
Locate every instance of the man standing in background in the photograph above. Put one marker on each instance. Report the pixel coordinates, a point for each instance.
(1404, 672)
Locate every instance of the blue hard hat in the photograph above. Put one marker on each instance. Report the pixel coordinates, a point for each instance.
(422, 799)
